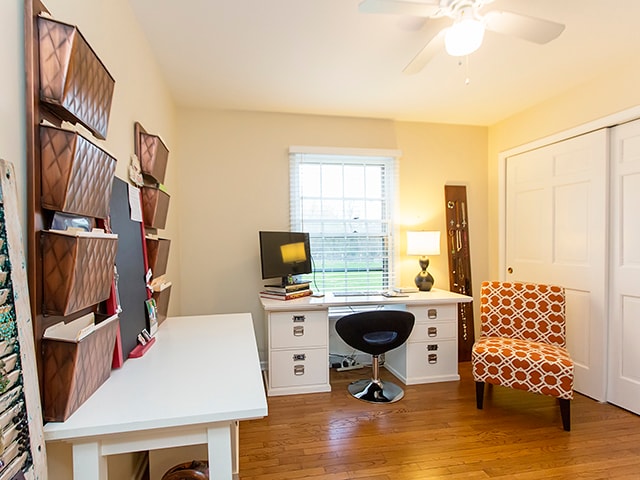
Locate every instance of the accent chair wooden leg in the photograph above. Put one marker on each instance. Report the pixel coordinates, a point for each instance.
(565, 413)
(479, 394)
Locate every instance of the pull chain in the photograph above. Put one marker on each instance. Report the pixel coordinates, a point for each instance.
(467, 79)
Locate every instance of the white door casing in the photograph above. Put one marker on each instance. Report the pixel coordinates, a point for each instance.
(624, 295)
(556, 232)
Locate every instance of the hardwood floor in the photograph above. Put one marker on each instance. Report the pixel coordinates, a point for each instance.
(434, 432)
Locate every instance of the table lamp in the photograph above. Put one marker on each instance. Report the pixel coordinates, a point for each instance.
(423, 244)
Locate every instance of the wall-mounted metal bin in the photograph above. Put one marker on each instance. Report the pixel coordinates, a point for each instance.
(76, 174)
(155, 206)
(153, 154)
(158, 255)
(75, 368)
(77, 270)
(74, 83)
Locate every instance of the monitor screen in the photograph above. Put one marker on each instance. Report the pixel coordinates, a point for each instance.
(284, 254)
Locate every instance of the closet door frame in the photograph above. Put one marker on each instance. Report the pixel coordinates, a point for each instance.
(605, 122)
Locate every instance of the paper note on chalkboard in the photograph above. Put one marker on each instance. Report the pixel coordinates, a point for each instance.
(135, 206)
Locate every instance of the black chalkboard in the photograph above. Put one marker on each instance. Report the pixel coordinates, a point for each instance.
(130, 265)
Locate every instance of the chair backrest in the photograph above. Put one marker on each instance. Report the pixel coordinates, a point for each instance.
(526, 311)
(354, 327)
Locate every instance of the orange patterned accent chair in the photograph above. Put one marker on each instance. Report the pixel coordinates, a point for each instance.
(522, 342)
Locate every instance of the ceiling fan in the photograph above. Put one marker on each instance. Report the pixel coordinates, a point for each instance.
(459, 25)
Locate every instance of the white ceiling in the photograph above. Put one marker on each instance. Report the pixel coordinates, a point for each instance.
(324, 57)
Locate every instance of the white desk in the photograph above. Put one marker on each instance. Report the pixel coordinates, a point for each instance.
(298, 339)
(192, 386)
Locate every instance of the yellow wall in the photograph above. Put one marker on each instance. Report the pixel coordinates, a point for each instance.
(235, 182)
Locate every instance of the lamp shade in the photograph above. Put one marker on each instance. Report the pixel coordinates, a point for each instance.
(464, 37)
(423, 243)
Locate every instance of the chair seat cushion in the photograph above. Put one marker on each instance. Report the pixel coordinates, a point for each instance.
(380, 338)
(524, 365)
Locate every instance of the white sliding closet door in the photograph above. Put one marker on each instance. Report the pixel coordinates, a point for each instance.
(624, 336)
(556, 221)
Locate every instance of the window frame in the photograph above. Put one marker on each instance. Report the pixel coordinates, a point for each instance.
(386, 222)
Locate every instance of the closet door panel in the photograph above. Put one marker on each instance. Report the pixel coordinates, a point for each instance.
(556, 220)
(624, 332)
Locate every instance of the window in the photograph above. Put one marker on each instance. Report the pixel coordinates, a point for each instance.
(345, 200)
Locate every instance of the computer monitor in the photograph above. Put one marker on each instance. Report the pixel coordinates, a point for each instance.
(284, 255)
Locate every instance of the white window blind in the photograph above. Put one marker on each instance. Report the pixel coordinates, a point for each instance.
(344, 199)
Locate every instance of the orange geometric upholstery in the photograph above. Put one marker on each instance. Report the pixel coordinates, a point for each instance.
(522, 342)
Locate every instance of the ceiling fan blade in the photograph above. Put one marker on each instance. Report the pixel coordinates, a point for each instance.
(400, 7)
(434, 45)
(533, 29)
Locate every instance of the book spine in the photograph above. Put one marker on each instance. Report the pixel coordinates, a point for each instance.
(289, 296)
(286, 289)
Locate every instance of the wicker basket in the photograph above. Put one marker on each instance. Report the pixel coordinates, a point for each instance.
(76, 174)
(74, 83)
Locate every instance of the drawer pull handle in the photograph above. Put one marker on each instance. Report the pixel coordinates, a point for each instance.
(299, 357)
(432, 313)
(432, 358)
(298, 331)
(432, 331)
(298, 318)
(432, 348)
(298, 370)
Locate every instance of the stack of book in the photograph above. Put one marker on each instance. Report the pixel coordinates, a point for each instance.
(286, 292)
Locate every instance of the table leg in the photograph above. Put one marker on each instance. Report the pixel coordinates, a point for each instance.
(220, 451)
(88, 464)
(235, 445)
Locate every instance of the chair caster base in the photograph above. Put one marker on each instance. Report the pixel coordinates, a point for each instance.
(375, 392)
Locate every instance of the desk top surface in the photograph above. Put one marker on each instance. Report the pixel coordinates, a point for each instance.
(435, 296)
(201, 370)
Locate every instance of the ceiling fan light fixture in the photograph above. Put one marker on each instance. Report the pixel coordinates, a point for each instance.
(464, 37)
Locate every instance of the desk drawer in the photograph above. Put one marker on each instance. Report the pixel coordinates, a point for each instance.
(296, 368)
(426, 361)
(434, 313)
(431, 332)
(298, 329)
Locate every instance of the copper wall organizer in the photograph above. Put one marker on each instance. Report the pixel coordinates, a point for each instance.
(162, 303)
(158, 255)
(74, 83)
(155, 205)
(78, 271)
(76, 174)
(75, 369)
(153, 154)
(460, 263)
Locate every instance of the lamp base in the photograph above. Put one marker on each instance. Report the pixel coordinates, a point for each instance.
(424, 281)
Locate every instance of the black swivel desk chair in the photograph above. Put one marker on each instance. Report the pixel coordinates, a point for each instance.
(376, 332)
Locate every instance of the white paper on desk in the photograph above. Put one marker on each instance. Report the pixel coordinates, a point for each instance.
(135, 206)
